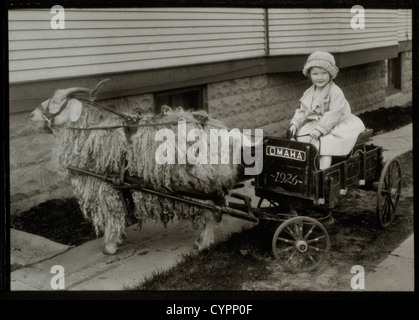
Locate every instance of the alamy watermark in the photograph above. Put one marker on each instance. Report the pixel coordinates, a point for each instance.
(358, 20)
(212, 149)
(358, 280)
(57, 281)
(58, 20)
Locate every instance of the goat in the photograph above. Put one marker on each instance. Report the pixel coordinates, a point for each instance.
(67, 115)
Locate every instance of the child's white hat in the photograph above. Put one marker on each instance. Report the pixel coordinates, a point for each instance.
(323, 60)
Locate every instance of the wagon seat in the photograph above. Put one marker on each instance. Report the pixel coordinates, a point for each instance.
(359, 146)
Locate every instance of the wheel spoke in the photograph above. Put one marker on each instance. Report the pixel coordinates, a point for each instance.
(385, 203)
(311, 257)
(385, 184)
(309, 232)
(385, 192)
(286, 249)
(290, 232)
(387, 211)
(300, 260)
(298, 230)
(395, 195)
(390, 171)
(384, 211)
(315, 239)
(316, 249)
(286, 240)
(391, 209)
(383, 199)
(390, 200)
(291, 257)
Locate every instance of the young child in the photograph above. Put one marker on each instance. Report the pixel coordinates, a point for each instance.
(324, 117)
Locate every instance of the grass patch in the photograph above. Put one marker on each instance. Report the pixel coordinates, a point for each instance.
(386, 119)
(220, 267)
(59, 220)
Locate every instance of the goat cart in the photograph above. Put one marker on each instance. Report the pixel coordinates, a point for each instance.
(294, 195)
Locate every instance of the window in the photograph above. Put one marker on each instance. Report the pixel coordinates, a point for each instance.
(393, 76)
(187, 98)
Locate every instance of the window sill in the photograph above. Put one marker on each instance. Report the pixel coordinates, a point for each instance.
(391, 91)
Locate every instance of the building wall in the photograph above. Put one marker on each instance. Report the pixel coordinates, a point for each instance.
(33, 179)
(269, 101)
(406, 66)
(404, 25)
(294, 31)
(109, 40)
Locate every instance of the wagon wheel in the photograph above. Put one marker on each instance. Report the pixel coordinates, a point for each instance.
(388, 192)
(300, 244)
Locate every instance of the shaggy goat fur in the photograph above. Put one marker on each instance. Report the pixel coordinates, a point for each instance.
(96, 150)
(102, 151)
(207, 178)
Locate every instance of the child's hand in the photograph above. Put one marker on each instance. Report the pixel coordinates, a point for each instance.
(315, 134)
(293, 130)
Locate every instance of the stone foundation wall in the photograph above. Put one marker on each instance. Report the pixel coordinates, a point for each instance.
(269, 101)
(33, 179)
(264, 101)
(406, 62)
(404, 96)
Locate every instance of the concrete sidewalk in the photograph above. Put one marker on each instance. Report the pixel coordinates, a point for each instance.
(156, 248)
(144, 252)
(396, 272)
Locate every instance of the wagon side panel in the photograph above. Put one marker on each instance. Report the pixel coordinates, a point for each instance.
(373, 163)
(287, 168)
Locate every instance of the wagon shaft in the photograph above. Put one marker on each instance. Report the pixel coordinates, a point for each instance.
(135, 184)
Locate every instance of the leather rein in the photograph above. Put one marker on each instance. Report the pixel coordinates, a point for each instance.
(49, 117)
(131, 121)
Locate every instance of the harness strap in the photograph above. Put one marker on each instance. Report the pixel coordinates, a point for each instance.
(141, 125)
(93, 104)
(50, 117)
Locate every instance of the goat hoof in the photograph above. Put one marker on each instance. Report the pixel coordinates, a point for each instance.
(110, 249)
(197, 245)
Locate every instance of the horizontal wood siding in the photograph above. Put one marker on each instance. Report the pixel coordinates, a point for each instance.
(404, 25)
(302, 31)
(98, 41)
(107, 41)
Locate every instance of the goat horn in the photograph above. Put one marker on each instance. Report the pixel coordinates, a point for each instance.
(70, 91)
(98, 86)
(91, 92)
